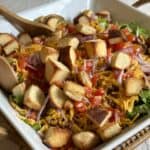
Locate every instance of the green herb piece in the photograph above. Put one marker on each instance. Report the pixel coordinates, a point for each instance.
(103, 22)
(36, 126)
(145, 96)
(18, 99)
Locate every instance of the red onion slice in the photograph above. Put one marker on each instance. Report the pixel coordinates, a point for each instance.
(42, 108)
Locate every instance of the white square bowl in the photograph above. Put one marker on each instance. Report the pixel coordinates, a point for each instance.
(69, 9)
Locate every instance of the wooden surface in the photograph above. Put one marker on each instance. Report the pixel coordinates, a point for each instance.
(12, 140)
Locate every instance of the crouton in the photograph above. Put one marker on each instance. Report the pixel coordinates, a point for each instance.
(57, 96)
(34, 97)
(85, 140)
(133, 86)
(120, 60)
(8, 77)
(74, 91)
(11, 47)
(96, 48)
(47, 52)
(57, 137)
(19, 89)
(109, 130)
(68, 41)
(84, 78)
(24, 39)
(55, 71)
(86, 29)
(5, 38)
(68, 57)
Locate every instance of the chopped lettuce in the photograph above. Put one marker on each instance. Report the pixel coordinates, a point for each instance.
(36, 126)
(136, 29)
(144, 106)
(103, 22)
(18, 99)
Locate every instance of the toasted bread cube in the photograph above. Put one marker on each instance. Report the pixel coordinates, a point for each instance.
(120, 60)
(19, 89)
(83, 20)
(88, 13)
(57, 137)
(68, 41)
(133, 86)
(96, 48)
(52, 23)
(55, 71)
(99, 116)
(74, 91)
(85, 140)
(68, 57)
(8, 77)
(115, 40)
(84, 78)
(34, 97)
(109, 130)
(47, 52)
(86, 29)
(57, 96)
(24, 39)
(11, 47)
(5, 38)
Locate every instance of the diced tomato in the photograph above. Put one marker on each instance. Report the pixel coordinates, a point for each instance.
(89, 65)
(99, 92)
(80, 107)
(131, 37)
(89, 92)
(22, 61)
(94, 79)
(114, 26)
(95, 101)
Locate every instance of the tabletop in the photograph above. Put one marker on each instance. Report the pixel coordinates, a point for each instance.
(11, 139)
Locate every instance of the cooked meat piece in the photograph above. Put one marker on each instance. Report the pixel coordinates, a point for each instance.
(99, 116)
(47, 52)
(115, 40)
(34, 97)
(68, 41)
(68, 56)
(109, 130)
(8, 77)
(55, 71)
(24, 39)
(5, 38)
(84, 78)
(11, 47)
(57, 96)
(120, 60)
(96, 48)
(57, 137)
(86, 29)
(19, 89)
(133, 86)
(85, 140)
(74, 91)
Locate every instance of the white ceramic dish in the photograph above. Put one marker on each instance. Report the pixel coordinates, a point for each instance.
(70, 8)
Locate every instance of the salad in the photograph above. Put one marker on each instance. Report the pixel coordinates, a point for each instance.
(81, 85)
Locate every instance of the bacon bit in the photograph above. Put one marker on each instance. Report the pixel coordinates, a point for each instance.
(114, 27)
(22, 61)
(109, 54)
(116, 115)
(80, 107)
(38, 40)
(95, 79)
(89, 92)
